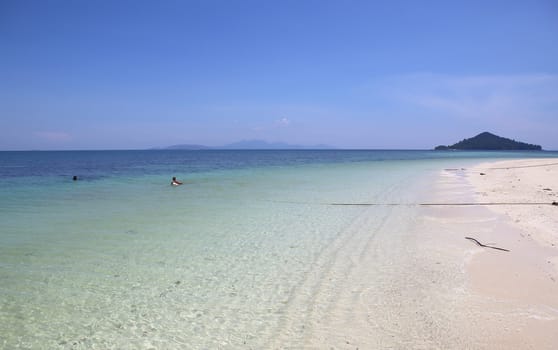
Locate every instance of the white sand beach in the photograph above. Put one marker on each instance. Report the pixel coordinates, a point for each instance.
(522, 181)
(434, 289)
(523, 282)
(510, 298)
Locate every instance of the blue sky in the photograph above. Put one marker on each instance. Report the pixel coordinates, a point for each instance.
(350, 74)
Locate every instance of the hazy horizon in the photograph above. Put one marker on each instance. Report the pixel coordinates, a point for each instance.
(351, 75)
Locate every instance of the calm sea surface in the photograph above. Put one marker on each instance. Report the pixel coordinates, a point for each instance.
(121, 259)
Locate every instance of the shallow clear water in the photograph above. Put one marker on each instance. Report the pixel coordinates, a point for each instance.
(121, 259)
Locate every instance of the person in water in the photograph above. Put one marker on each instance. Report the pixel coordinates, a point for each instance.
(75, 178)
(175, 182)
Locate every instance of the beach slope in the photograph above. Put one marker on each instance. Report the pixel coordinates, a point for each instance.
(519, 287)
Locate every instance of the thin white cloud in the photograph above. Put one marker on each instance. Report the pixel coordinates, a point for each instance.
(53, 136)
(270, 126)
(283, 122)
(258, 128)
(479, 97)
(523, 106)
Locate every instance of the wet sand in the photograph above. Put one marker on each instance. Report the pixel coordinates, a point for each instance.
(523, 284)
(511, 297)
(420, 284)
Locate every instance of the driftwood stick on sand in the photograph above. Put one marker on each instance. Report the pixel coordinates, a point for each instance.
(484, 245)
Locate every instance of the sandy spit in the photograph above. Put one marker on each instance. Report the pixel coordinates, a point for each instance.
(405, 277)
(522, 285)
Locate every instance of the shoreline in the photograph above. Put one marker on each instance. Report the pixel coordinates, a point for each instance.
(514, 294)
(292, 274)
(423, 285)
(526, 279)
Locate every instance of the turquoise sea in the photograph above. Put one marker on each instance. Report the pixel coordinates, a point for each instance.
(236, 258)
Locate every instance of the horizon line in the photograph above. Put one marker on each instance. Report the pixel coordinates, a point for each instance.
(265, 149)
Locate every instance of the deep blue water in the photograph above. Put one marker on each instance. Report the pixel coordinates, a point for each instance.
(91, 165)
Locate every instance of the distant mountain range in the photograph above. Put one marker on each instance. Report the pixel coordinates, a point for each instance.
(187, 147)
(247, 144)
(489, 142)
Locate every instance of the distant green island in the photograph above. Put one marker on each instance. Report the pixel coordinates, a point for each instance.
(489, 142)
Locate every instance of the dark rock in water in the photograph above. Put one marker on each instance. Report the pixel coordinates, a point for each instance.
(489, 142)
